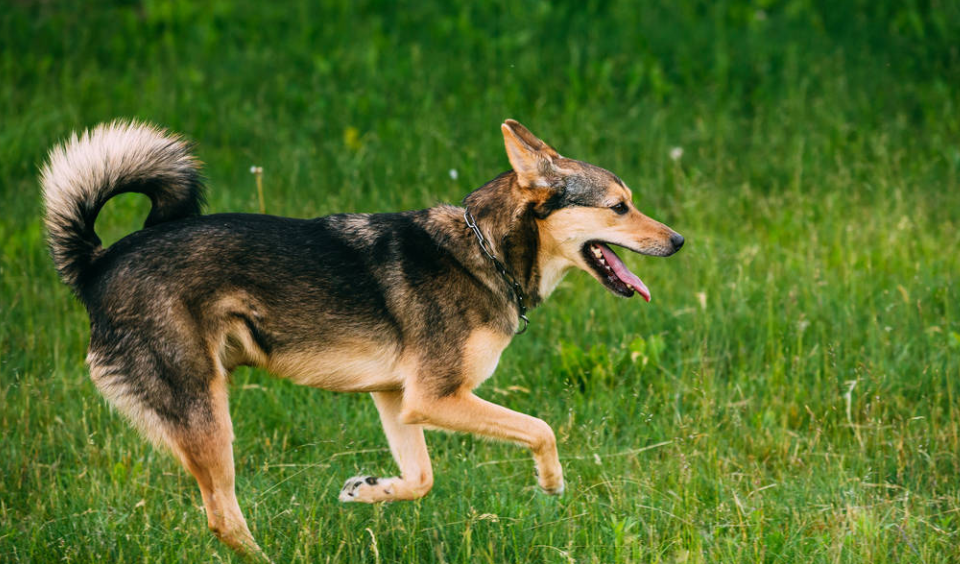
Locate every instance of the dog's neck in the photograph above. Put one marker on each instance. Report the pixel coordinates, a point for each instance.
(507, 222)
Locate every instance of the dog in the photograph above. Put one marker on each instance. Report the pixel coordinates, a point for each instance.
(414, 307)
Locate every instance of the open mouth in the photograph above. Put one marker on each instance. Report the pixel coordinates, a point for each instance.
(612, 272)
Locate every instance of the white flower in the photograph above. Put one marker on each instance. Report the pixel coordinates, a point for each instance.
(256, 169)
(454, 174)
(676, 153)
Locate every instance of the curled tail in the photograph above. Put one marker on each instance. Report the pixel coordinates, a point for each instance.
(84, 172)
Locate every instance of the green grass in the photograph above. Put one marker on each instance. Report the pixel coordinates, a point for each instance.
(790, 395)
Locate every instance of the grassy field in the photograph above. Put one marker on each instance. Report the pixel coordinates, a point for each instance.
(791, 394)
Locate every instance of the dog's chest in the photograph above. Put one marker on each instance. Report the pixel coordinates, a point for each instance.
(481, 354)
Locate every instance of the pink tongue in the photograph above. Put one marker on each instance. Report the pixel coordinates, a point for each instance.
(623, 273)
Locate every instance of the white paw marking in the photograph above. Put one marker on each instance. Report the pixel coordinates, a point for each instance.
(351, 488)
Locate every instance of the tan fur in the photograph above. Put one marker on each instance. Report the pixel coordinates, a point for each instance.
(481, 353)
(208, 455)
(526, 154)
(565, 231)
(344, 367)
(410, 452)
(357, 366)
(468, 413)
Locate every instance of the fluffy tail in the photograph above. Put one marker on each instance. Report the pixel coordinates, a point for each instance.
(86, 171)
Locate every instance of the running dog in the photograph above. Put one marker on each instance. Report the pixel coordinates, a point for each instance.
(413, 307)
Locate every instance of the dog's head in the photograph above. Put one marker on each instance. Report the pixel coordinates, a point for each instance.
(581, 210)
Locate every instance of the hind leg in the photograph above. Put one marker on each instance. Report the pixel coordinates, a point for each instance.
(201, 437)
(205, 449)
(410, 452)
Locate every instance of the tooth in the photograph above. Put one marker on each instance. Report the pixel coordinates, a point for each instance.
(596, 251)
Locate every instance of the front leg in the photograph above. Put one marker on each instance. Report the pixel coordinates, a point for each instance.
(410, 452)
(465, 412)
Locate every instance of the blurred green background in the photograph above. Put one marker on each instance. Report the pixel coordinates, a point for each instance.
(790, 395)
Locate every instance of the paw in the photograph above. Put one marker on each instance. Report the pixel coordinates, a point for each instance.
(367, 489)
(553, 489)
(551, 483)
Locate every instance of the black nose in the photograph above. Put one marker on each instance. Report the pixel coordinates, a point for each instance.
(677, 240)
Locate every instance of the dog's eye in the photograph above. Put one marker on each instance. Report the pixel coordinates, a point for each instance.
(620, 208)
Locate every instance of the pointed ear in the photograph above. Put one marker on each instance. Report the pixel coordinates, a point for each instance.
(531, 158)
(530, 139)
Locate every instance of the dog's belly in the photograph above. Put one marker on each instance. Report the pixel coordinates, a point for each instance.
(365, 367)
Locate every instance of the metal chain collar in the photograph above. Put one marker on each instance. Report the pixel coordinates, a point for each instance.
(517, 290)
